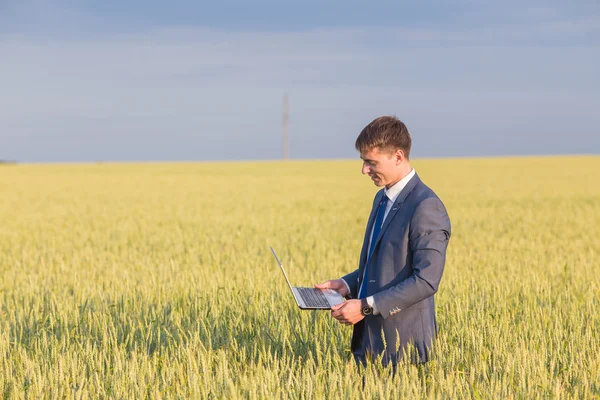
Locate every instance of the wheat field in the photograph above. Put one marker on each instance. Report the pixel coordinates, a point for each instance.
(131, 281)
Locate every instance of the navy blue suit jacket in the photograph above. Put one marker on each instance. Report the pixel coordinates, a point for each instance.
(404, 273)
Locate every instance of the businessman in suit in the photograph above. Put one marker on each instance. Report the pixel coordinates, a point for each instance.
(391, 294)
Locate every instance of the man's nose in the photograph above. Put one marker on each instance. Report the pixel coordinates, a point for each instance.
(365, 169)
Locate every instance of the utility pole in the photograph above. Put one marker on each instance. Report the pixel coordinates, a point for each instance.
(286, 128)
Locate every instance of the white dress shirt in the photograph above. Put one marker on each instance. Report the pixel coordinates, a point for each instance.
(392, 194)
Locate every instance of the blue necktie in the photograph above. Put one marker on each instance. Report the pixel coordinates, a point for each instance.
(376, 229)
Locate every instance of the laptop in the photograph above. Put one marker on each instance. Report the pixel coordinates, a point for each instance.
(310, 298)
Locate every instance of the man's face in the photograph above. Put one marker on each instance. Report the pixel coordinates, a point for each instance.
(382, 166)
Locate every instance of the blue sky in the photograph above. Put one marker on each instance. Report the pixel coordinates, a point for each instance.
(189, 80)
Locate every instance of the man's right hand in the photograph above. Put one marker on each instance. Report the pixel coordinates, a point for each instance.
(336, 284)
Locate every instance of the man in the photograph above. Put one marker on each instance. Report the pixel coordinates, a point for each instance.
(402, 257)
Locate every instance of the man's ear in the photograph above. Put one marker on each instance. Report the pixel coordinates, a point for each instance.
(399, 155)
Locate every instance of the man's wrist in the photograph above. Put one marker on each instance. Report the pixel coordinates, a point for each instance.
(371, 303)
(347, 286)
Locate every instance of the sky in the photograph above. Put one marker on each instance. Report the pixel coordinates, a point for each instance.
(87, 81)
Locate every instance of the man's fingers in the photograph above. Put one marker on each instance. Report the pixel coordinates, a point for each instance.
(324, 285)
(338, 310)
(346, 312)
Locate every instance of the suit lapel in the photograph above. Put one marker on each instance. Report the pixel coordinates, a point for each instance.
(397, 206)
(365, 248)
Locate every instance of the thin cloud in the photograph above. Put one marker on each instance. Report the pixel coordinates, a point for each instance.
(193, 93)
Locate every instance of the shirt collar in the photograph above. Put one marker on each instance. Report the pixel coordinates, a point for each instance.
(393, 192)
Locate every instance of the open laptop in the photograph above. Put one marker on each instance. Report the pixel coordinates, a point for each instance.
(310, 298)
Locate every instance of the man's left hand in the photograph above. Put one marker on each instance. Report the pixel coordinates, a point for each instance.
(348, 312)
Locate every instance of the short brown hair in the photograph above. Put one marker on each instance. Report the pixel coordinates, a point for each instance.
(385, 133)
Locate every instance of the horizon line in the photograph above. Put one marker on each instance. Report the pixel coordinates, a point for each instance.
(290, 160)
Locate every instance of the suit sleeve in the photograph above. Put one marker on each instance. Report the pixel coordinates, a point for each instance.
(429, 234)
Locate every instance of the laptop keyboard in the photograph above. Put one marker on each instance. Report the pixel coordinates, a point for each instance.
(313, 297)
